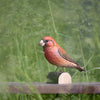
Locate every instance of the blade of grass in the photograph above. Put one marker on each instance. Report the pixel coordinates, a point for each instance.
(53, 22)
(81, 48)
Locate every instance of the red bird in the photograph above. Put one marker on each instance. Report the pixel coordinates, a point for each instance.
(56, 55)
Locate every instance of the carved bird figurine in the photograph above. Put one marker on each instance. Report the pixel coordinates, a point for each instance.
(56, 55)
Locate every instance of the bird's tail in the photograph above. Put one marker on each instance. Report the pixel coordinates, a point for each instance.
(80, 68)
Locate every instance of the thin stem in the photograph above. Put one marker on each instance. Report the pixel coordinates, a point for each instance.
(52, 17)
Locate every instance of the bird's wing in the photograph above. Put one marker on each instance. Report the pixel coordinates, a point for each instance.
(65, 55)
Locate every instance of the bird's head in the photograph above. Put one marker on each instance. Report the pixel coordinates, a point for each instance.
(47, 42)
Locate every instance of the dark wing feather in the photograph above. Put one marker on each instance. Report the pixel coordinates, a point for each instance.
(65, 55)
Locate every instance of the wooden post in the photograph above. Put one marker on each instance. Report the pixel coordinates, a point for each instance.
(59, 78)
(64, 78)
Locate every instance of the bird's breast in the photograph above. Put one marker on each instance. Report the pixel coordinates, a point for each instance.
(53, 56)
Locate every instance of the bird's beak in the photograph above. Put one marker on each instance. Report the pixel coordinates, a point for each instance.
(41, 43)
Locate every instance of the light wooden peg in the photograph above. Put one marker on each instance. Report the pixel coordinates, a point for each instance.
(64, 78)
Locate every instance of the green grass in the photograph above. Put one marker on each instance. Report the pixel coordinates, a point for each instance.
(73, 24)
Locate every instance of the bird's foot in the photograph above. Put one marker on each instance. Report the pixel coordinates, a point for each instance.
(56, 69)
(61, 70)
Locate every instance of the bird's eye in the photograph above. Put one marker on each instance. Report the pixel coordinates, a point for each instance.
(46, 40)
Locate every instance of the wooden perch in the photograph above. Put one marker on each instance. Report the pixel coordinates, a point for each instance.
(31, 87)
(64, 78)
(59, 77)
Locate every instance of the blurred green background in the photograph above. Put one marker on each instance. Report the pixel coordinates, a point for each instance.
(74, 24)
